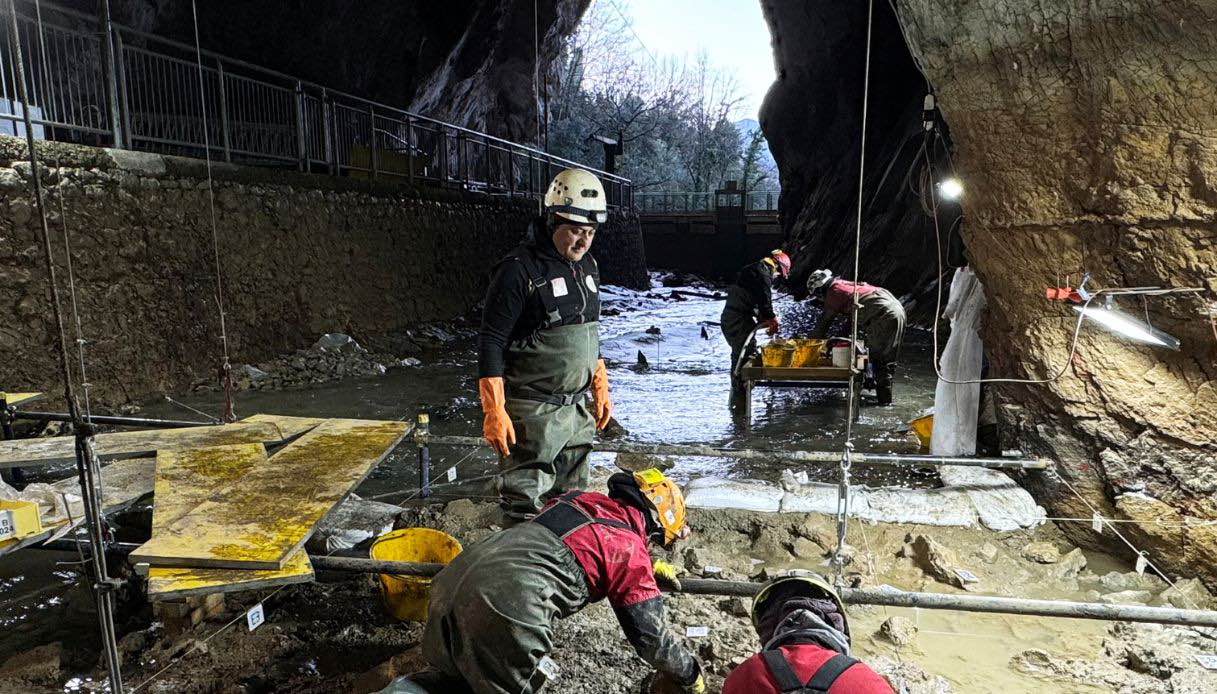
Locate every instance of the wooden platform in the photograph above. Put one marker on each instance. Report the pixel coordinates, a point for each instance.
(186, 479)
(259, 520)
(137, 444)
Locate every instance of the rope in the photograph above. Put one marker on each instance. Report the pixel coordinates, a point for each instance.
(226, 369)
(67, 247)
(846, 454)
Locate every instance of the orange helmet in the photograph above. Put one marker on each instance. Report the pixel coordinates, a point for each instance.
(780, 262)
(667, 502)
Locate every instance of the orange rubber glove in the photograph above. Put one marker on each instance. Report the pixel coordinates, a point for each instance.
(772, 325)
(496, 425)
(600, 396)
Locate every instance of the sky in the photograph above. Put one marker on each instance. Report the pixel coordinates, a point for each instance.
(733, 34)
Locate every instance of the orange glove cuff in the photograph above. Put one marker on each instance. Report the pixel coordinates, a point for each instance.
(600, 384)
(491, 390)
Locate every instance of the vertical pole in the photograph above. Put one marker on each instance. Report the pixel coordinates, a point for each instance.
(372, 138)
(327, 129)
(124, 95)
(421, 433)
(410, 149)
(14, 476)
(222, 88)
(442, 135)
(301, 144)
(111, 67)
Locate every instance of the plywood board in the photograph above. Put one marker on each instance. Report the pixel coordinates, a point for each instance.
(14, 399)
(258, 521)
(289, 426)
(123, 483)
(187, 478)
(135, 444)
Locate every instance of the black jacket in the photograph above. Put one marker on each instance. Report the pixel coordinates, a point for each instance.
(752, 293)
(524, 282)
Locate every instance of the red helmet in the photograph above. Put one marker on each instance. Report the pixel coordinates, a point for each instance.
(779, 256)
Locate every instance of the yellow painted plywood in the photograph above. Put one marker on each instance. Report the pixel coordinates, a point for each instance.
(289, 426)
(135, 444)
(187, 478)
(259, 520)
(15, 399)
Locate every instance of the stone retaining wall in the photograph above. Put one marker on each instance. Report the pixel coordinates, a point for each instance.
(300, 255)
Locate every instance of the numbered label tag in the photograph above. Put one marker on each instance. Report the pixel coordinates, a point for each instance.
(452, 474)
(1142, 562)
(255, 617)
(1207, 660)
(697, 632)
(7, 528)
(712, 569)
(558, 285)
(548, 668)
(967, 576)
(1096, 523)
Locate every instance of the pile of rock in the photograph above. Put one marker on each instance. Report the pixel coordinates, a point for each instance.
(332, 357)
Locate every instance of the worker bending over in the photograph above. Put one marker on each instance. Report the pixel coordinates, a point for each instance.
(880, 320)
(804, 644)
(749, 304)
(490, 622)
(539, 351)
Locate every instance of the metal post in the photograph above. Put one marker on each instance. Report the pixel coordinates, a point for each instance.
(111, 68)
(443, 153)
(120, 61)
(421, 433)
(511, 171)
(301, 144)
(222, 88)
(327, 129)
(410, 148)
(13, 476)
(88, 470)
(372, 139)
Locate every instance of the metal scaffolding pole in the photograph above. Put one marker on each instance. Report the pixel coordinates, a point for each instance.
(888, 597)
(816, 457)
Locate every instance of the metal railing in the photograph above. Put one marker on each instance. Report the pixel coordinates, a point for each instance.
(681, 202)
(103, 84)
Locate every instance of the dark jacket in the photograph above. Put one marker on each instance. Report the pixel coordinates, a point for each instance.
(534, 288)
(752, 292)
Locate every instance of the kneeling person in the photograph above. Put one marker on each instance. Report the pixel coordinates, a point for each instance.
(490, 621)
(805, 644)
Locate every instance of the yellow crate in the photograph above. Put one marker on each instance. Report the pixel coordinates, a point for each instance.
(777, 355)
(19, 519)
(923, 427)
(809, 352)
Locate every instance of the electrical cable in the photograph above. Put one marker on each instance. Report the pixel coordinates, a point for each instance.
(226, 368)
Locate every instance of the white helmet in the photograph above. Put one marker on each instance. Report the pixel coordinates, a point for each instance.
(577, 195)
(818, 279)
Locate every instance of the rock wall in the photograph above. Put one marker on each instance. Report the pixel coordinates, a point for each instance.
(1087, 137)
(300, 255)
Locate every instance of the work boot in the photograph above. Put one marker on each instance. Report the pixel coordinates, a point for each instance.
(883, 391)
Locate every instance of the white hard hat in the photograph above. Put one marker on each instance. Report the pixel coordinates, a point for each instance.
(577, 195)
(818, 279)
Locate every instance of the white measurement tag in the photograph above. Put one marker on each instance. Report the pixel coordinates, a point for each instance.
(697, 632)
(255, 617)
(712, 569)
(7, 528)
(967, 576)
(1096, 523)
(548, 667)
(452, 474)
(753, 561)
(1207, 660)
(1142, 562)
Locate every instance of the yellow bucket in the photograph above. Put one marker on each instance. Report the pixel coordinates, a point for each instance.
(808, 352)
(923, 427)
(406, 596)
(777, 354)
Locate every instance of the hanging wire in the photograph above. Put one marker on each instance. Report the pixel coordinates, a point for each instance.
(67, 247)
(226, 368)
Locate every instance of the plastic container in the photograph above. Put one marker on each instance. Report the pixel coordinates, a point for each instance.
(840, 356)
(923, 427)
(808, 352)
(406, 597)
(19, 519)
(777, 354)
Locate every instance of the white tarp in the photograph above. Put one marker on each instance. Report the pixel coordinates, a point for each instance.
(956, 404)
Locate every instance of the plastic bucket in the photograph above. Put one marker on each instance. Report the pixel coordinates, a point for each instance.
(840, 356)
(923, 427)
(777, 355)
(405, 597)
(808, 352)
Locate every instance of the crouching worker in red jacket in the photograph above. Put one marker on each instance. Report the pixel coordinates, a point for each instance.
(490, 621)
(805, 644)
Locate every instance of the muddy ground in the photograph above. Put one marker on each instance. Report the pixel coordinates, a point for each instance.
(334, 635)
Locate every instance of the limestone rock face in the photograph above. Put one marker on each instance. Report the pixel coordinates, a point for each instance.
(1087, 136)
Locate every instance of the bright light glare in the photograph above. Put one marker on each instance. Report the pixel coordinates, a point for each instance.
(950, 189)
(1123, 324)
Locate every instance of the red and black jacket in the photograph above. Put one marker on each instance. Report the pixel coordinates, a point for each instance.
(804, 668)
(608, 540)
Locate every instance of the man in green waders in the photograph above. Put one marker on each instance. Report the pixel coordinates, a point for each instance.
(539, 351)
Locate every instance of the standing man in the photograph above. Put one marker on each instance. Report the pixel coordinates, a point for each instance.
(490, 620)
(539, 351)
(804, 644)
(880, 318)
(750, 303)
